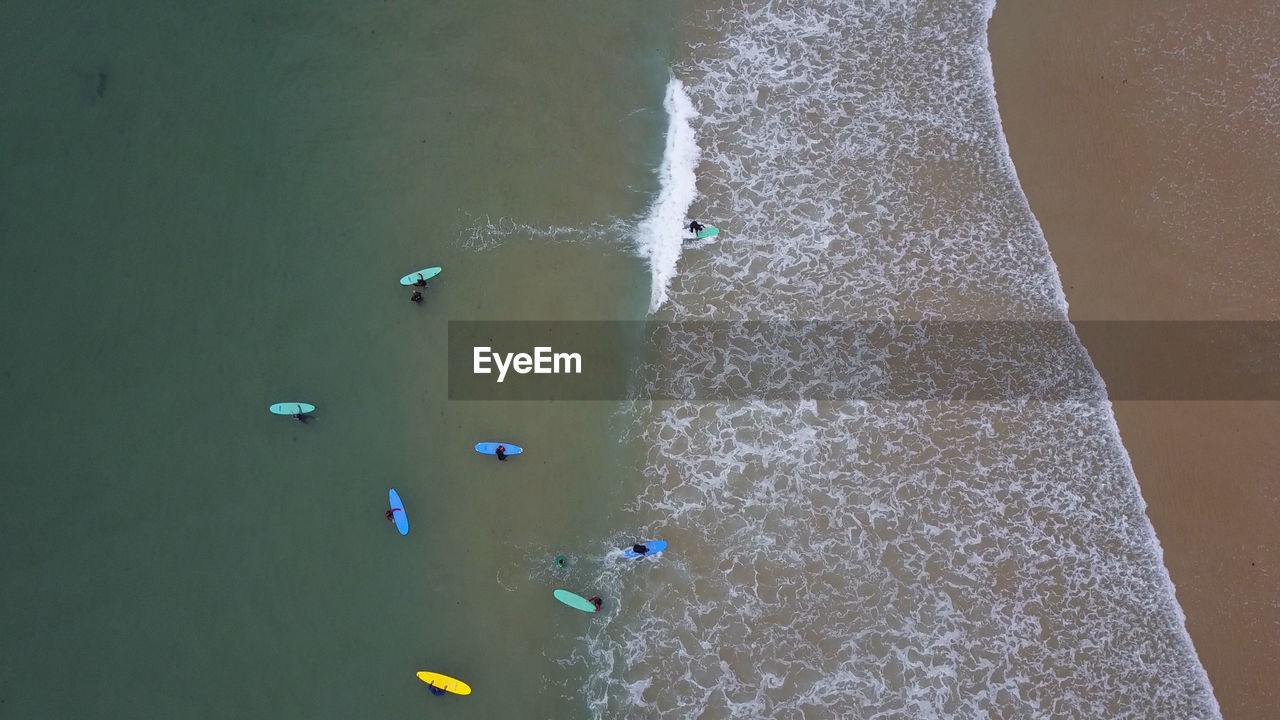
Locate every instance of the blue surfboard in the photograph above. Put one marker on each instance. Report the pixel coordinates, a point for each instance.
(397, 507)
(655, 547)
(491, 448)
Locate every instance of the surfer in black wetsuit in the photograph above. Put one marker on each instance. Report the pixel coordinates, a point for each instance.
(416, 296)
(300, 417)
(639, 549)
(501, 452)
(596, 601)
(695, 227)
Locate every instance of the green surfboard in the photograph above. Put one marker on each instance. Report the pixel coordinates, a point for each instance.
(574, 600)
(708, 232)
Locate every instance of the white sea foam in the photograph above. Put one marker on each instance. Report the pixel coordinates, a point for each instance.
(891, 559)
(660, 235)
(898, 558)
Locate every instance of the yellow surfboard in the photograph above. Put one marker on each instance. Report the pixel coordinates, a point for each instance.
(444, 682)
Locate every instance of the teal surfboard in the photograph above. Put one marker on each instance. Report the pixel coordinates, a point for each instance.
(425, 274)
(708, 232)
(397, 511)
(574, 600)
(292, 408)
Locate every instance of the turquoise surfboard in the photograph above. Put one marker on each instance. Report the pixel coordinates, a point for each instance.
(425, 274)
(491, 448)
(655, 547)
(397, 507)
(708, 232)
(574, 600)
(292, 408)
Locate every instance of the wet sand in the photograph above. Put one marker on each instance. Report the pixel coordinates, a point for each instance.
(1143, 139)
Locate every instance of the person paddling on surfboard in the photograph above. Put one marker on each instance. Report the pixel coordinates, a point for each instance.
(639, 549)
(501, 452)
(596, 601)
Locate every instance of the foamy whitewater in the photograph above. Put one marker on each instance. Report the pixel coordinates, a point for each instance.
(889, 558)
(660, 235)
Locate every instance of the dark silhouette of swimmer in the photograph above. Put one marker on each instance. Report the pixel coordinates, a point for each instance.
(391, 514)
(416, 296)
(639, 549)
(421, 281)
(695, 227)
(501, 452)
(300, 417)
(435, 690)
(596, 601)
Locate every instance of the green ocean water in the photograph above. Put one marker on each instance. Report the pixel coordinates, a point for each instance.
(205, 211)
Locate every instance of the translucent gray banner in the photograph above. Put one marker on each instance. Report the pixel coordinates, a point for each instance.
(893, 361)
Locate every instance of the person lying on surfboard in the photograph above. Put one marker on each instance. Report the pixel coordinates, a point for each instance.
(501, 452)
(639, 549)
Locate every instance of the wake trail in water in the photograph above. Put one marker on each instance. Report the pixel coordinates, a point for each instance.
(486, 233)
(657, 237)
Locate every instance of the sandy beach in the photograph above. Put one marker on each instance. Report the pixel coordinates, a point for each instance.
(1140, 137)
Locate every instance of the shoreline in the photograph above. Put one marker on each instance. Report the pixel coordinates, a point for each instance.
(1149, 199)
